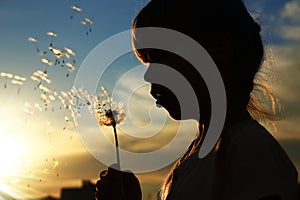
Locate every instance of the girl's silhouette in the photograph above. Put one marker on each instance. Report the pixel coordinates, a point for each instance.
(247, 162)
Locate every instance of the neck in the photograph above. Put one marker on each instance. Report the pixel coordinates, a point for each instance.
(237, 114)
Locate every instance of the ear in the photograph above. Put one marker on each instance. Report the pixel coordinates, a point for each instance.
(220, 46)
(223, 49)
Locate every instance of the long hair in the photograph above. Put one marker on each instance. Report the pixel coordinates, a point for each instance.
(209, 17)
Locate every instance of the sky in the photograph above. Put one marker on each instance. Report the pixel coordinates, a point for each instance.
(43, 149)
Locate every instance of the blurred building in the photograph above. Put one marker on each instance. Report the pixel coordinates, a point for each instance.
(49, 198)
(86, 192)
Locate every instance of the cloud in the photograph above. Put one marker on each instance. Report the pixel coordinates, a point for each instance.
(287, 68)
(290, 32)
(289, 21)
(291, 11)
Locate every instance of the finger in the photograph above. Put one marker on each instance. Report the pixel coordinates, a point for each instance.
(108, 190)
(103, 174)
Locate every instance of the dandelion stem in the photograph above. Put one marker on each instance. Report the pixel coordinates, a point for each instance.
(117, 146)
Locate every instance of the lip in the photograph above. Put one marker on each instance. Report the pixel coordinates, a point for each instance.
(158, 104)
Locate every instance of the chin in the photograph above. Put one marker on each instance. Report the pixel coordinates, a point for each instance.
(176, 115)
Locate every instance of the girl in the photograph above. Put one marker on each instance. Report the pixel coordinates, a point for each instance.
(247, 163)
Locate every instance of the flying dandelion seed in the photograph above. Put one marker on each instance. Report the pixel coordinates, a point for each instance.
(109, 113)
(51, 97)
(38, 106)
(87, 22)
(44, 98)
(16, 82)
(57, 53)
(3, 74)
(46, 61)
(71, 68)
(70, 51)
(76, 9)
(6, 76)
(28, 108)
(83, 23)
(52, 34)
(44, 89)
(19, 78)
(29, 112)
(34, 40)
(46, 79)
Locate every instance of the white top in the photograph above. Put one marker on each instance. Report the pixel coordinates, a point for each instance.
(248, 165)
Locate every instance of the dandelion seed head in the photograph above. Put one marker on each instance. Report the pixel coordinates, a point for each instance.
(108, 112)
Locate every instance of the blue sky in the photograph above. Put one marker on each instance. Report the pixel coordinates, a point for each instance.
(56, 158)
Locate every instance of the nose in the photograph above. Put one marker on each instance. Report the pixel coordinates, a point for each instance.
(147, 74)
(153, 73)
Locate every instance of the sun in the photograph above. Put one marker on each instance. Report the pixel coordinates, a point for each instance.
(11, 157)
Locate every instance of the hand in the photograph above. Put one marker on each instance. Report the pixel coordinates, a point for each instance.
(117, 185)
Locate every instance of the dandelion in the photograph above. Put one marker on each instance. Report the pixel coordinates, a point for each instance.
(109, 113)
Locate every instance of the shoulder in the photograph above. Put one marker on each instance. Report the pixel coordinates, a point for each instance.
(249, 142)
(251, 135)
(254, 159)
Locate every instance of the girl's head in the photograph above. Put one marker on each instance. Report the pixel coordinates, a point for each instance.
(224, 28)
